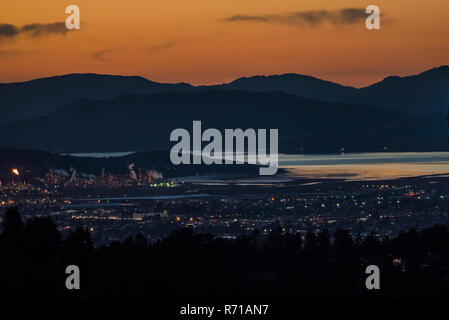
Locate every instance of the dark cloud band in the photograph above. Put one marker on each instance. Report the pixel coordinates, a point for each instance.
(313, 18)
(9, 31)
(39, 29)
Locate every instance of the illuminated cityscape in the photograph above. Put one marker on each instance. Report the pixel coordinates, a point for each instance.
(114, 206)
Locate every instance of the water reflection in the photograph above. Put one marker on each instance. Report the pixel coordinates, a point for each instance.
(367, 166)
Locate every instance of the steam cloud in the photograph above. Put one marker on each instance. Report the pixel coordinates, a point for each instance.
(73, 171)
(60, 172)
(132, 172)
(156, 175)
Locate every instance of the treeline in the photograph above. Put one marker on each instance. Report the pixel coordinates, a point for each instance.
(188, 266)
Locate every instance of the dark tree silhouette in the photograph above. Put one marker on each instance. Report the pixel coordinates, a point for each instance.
(311, 242)
(12, 227)
(189, 265)
(79, 241)
(324, 239)
(343, 240)
(140, 241)
(42, 238)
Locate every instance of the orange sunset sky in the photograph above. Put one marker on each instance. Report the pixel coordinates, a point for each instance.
(191, 41)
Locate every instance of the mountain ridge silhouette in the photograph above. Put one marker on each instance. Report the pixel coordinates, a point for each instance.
(423, 93)
(144, 122)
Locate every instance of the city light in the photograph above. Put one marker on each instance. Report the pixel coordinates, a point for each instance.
(15, 171)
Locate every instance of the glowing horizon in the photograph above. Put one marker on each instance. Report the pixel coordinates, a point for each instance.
(210, 43)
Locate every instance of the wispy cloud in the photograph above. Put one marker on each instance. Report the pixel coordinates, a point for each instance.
(156, 48)
(161, 46)
(10, 31)
(10, 53)
(100, 55)
(313, 18)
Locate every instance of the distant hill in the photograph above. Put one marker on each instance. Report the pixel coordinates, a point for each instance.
(35, 98)
(32, 163)
(90, 112)
(144, 122)
(299, 85)
(427, 92)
